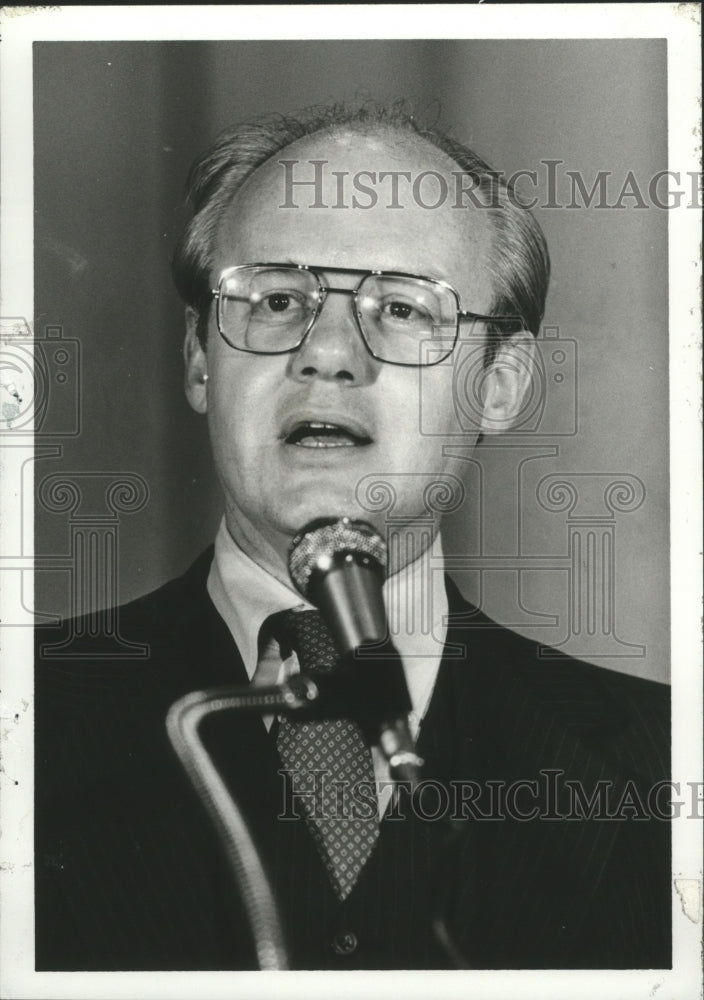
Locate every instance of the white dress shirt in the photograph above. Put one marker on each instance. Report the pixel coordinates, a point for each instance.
(245, 595)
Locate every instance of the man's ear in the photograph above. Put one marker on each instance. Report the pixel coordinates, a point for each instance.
(196, 362)
(508, 382)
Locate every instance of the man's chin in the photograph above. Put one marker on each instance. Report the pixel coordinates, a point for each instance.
(342, 500)
(331, 507)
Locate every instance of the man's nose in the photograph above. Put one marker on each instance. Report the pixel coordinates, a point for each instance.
(333, 349)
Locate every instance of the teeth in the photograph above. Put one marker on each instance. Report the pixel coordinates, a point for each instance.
(326, 444)
(320, 434)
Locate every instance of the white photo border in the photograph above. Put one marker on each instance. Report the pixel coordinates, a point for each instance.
(680, 25)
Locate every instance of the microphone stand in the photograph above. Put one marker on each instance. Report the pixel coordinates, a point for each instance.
(328, 696)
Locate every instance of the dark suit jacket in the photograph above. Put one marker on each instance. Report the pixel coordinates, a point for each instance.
(130, 873)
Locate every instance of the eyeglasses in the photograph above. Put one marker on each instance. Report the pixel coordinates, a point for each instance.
(404, 319)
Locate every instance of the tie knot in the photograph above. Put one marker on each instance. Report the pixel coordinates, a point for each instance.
(307, 634)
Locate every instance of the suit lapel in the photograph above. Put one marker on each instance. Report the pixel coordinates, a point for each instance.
(500, 716)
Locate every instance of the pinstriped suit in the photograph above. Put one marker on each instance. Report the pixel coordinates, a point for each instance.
(130, 874)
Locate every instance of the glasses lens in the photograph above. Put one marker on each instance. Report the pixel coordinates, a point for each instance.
(266, 309)
(403, 318)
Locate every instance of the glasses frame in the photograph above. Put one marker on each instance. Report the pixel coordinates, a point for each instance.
(324, 290)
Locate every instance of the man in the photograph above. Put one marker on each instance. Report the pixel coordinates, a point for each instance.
(318, 322)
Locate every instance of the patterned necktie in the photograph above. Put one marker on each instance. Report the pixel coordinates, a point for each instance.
(344, 826)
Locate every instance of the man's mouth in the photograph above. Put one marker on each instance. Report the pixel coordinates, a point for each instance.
(320, 434)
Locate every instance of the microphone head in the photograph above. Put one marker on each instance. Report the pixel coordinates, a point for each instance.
(325, 541)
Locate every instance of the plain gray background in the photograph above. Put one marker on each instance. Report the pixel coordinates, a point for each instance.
(117, 125)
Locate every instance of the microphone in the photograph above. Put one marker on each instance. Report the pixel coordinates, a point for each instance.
(339, 565)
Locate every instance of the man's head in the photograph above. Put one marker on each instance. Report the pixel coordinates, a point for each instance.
(294, 434)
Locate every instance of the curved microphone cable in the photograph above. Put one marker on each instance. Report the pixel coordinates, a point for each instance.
(183, 723)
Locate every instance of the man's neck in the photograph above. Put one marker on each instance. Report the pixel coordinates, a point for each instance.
(272, 555)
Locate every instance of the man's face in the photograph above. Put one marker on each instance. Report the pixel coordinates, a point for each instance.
(276, 471)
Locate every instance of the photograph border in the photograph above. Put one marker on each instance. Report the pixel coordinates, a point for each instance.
(680, 25)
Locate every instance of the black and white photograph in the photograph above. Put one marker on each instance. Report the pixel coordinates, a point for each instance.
(350, 590)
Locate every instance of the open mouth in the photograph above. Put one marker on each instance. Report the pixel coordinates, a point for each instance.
(314, 434)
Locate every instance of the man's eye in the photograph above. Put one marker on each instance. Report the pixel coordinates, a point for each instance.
(400, 310)
(278, 301)
(278, 304)
(403, 312)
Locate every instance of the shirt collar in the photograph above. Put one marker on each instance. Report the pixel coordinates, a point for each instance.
(245, 594)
